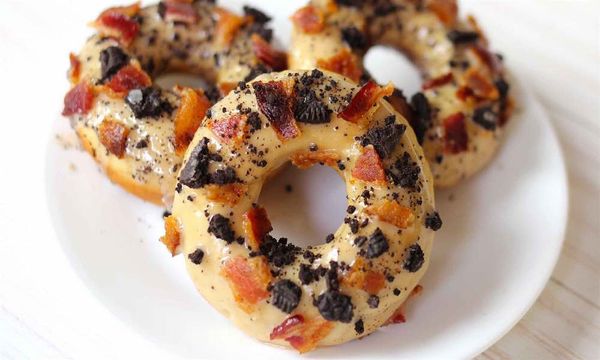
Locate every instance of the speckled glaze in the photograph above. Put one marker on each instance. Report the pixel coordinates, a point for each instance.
(417, 31)
(159, 47)
(193, 210)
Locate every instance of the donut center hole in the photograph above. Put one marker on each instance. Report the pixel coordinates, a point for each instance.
(386, 64)
(305, 206)
(168, 80)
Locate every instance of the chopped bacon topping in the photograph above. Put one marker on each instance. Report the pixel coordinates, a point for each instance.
(398, 315)
(229, 194)
(393, 213)
(438, 81)
(303, 335)
(309, 19)
(128, 78)
(358, 277)
(369, 167)
(275, 102)
(75, 69)
(306, 159)
(455, 134)
(446, 10)
(248, 280)
(179, 11)
(172, 237)
(488, 59)
(256, 226)
(344, 63)
(230, 129)
(118, 22)
(276, 60)
(480, 85)
(364, 100)
(227, 26)
(113, 135)
(78, 100)
(189, 117)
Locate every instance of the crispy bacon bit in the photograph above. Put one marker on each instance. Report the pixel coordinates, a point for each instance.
(178, 11)
(275, 102)
(230, 129)
(393, 213)
(303, 335)
(364, 100)
(464, 93)
(446, 10)
(78, 100)
(309, 19)
(227, 26)
(368, 166)
(75, 69)
(277, 60)
(229, 194)
(130, 77)
(480, 85)
(344, 63)
(256, 226)
(398, 315)
(438, 81)
(306, 159)
(248, 280)
(226, 87)
(475, 25)
(172, 236)
(359, 277)
(189, 116)
(113, 135)
(489, 60)
(118, 22)
(455, 134)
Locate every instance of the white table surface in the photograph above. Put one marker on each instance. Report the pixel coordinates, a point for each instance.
(45, 309)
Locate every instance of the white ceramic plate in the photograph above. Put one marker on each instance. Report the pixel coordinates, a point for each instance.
(502, 234)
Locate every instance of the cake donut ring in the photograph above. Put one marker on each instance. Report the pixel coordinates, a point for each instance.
(460, 113)
(273, 290)
(135, 130)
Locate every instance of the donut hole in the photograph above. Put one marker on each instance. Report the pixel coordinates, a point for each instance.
(386, 64)
(305, 205)
(168, 80)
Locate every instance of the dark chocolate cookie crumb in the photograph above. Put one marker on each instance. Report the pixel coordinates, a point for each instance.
(350, 209)
(421, 121)
(279, 253)
(433, 221)
(355, 38)
(486, 117)
(384, 139)
(353, 224)
(373, 301)
(377, 245)
(223, 176)
(414, 258)
(396, 292)
(405, 172)
(254, 121)
(335, 306)
(329, 238)
(502, 87)
(258, 16)
(147, 102)
(360, 241)
(309, 109)
(306, 274)
(359, 327)
(462, 37)
(112, 59)
(220, 227)
(195, 172)
(196, 257)
(285, 295)
(331, 276)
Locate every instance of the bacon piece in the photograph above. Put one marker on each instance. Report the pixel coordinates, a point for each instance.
(276, 60)
(398, 315)
(344, 63)
(189, 116)
(231, 129)
(364, 100)
(113, 135)
(303, 335)
(180, 11)
(480, 85)
(455, 134)
(437, 82)
(256, 226)
(445, 10)
(369, 167)
(228, 25)
(75, 69)
(393, 213)
(248, 280)
(275, 102)
(118, 22)
(78, 100)
(229, 194)
(128, 78)
(309, 19)
(487, 59)
(172, 237)
(306, 159)
(358, 277)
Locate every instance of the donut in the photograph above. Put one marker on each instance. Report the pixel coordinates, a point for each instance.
(137, 131)
(270, 288)
(460, 112)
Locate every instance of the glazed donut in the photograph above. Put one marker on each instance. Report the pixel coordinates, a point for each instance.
(464, 104)
(135, 130)
(273, 290)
